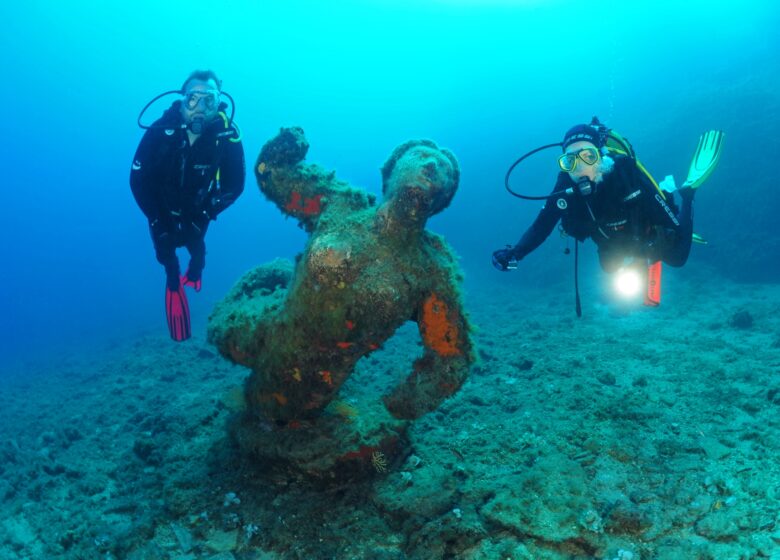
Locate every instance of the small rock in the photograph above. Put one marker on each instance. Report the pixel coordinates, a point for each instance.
(717, 526)
(222, 556)
(46, 438)
(72, 434)
(606, 378)
(144, 448)
(628, 518)
(53, 469)
(222, 541)
(183, 536)
(524, 365)
(231, 499)
(741, 320)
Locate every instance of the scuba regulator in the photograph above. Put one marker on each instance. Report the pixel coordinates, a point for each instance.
(609, 139)
(197, 124)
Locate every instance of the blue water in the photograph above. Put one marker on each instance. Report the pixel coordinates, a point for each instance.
(488, 79)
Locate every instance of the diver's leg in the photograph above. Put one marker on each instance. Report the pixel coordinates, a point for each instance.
(165, 251)
(196, 245)
(610, 260)
(677, 254)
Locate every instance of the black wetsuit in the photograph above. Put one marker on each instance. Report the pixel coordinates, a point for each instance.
(181, 187)
(625, 216)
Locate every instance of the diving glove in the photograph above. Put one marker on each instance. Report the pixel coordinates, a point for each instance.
(505, 259)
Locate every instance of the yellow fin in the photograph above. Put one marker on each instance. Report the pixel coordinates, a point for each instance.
(705, 159)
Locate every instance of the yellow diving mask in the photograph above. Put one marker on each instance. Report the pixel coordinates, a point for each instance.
(568, 161)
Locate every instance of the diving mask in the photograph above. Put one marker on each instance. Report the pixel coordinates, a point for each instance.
(568, 161)
(210, 99)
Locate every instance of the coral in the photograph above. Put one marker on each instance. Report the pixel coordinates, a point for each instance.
(438, 331)
(379, 461)
(306, 206)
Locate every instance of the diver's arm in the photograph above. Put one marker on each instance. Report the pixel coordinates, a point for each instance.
(232, 176)
(447, 356)
(542, 226)
(298, 189)
(658, 211)
(536, 234)
(672, 230)
(143, 177)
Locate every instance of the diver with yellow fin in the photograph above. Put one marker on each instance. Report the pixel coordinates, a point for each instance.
(603, 192)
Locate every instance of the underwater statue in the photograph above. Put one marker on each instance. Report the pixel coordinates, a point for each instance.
(367, 269)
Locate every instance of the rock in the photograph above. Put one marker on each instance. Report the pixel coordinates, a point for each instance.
(606, 378)
(19, 532)
(183, 536)
(741, 320)
(541, 502)
(626, 518)
(222, 541)
(524, 365)
(72, 434)
(222, 556)
(145, 449)
(718, 526)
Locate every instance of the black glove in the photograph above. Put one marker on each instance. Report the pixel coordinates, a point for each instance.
(502, 257)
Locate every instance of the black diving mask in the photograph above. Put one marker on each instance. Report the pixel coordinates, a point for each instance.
(210, 99)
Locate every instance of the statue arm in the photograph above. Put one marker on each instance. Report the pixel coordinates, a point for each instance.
(298, 189)
(447, 357)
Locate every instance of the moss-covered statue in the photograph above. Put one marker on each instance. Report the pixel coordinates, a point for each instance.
(365, 271)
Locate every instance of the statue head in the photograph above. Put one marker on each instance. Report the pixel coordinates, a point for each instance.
(419, 180)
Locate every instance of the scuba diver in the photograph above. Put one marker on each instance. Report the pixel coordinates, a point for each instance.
(188, 168)
(604, 193)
